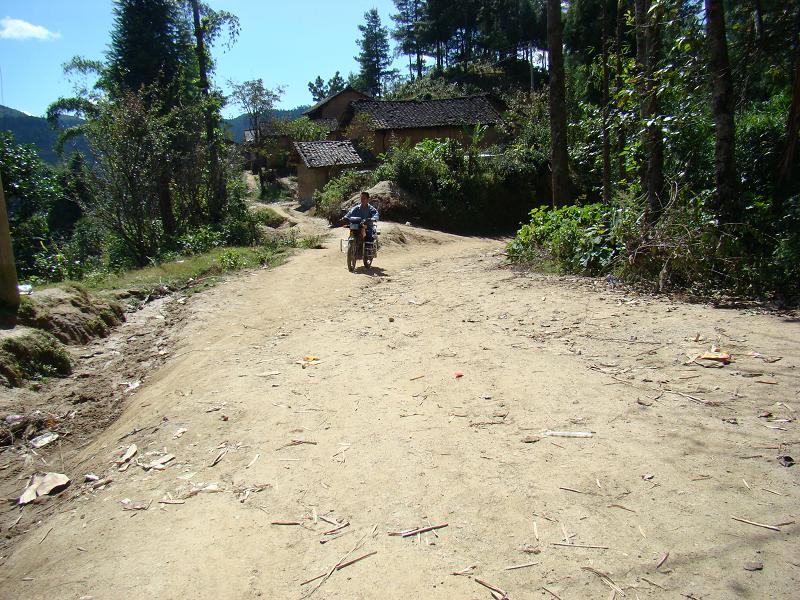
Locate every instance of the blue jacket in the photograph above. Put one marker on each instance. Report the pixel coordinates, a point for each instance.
(370, 212)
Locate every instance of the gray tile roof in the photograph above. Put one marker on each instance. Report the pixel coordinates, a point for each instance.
(328, 153)
(448, 112)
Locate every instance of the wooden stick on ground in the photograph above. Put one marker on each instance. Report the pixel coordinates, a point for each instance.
(573, 490)
(754, 523)
(423, 530)
(490, 586)
(662, 561)
(341, 563)
(652, 583)
(45, 535)
(336, 529)
(579, 546)
(464, 571)
(606, 579)
(222, 453)
(566, 535)
(341, 566)
(512, 567)
(553, 594)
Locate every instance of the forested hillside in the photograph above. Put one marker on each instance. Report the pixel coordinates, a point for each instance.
(27, 129)
(38, 132)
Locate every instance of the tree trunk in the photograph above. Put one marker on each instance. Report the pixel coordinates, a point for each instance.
(759, 22)
(559, 160)
(725, 178)
(621, 133)
(647, 44)
(165, 204)
(217, 196)
(9, 290)
(605, 125)
(787, 172)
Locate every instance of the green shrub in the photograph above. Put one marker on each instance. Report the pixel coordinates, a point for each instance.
(268, 217)
(685, 249)
(464, 189)
(239, 227)
(231, 260)
(199, 240)
(580, 239)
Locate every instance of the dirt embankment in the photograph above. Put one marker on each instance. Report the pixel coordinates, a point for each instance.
(307, 415)
(68, 368)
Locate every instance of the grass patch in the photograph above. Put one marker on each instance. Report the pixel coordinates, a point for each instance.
(32, 354)
(178, 273)
(190, 270)
(312, 241)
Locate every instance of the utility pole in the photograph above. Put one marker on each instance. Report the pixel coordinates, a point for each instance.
(9, 289)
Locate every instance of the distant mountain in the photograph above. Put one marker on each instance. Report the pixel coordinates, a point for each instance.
(37, 131)
(238, 125)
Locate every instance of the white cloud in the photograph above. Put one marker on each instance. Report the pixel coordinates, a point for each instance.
(17, 29)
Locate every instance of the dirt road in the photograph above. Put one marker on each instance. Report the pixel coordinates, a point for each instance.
(380, 432)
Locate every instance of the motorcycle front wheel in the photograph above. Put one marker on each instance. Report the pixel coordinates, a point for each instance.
(368, 256)
(351, 255)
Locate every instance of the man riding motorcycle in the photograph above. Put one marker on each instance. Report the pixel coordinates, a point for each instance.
(367, 213)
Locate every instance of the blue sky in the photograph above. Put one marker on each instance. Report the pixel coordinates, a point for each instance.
(284, 43)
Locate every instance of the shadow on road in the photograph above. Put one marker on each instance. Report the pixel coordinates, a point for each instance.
(371, 271)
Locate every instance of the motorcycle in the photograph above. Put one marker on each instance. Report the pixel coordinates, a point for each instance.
(358, 247)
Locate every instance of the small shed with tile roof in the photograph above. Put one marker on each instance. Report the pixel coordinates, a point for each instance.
(317, 162)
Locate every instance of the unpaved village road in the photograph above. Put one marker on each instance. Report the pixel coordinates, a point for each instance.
(380, 433)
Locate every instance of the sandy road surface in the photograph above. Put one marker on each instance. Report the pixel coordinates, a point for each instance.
(387, 438)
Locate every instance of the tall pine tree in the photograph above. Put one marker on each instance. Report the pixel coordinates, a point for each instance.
(374, 57)
(151, 50)
(407, 33)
